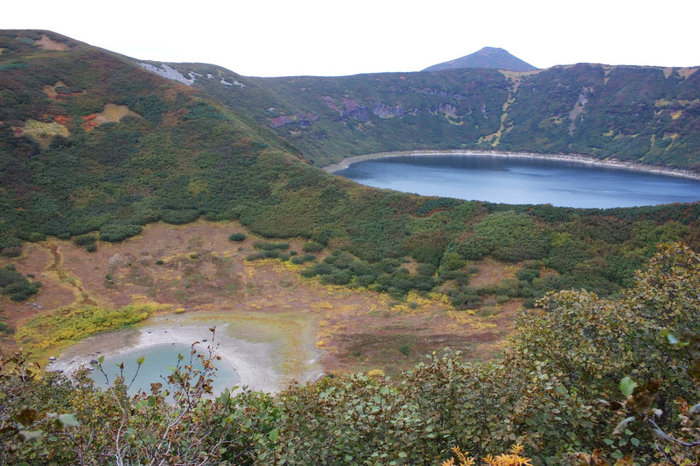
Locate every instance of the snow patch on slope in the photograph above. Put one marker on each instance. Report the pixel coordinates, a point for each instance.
(169, 73)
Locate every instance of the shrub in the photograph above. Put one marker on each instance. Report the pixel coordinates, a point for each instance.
(270, 246)
(528, 274)
(340, 277)
(118, 232)
(21, 291)
(84, 240)
(432, 205)
(238, 237)
(4, 328)
(11, 251)
(35, 236)
(179, 216)
(366, 280)
(303, 259)
(452, 261)
(15, 285)
(312, 246)
(427, 270)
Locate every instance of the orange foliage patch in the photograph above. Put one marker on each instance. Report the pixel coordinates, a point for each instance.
(63, 120)
(89, 122)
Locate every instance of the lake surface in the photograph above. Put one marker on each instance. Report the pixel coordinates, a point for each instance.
(157, 366)
(522, 181)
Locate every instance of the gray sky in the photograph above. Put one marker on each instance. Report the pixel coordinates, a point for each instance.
(332, 37)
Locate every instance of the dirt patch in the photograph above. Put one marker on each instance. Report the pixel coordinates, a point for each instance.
(491, 272)
(173, 117)
(195, 268)
(687, 72)
(47, 43)
(52, 92)
(111, 114)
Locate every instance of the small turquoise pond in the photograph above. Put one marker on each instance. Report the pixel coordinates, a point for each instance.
(155, 367)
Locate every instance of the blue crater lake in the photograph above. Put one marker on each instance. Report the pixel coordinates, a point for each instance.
(515, 180)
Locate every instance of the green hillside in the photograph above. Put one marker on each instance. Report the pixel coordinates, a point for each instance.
(640, 114)
(90, 141)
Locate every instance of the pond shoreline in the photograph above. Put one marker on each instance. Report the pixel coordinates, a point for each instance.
(578, 158)
(251, 361)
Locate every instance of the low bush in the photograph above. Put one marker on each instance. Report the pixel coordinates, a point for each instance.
(118, 232)
(312, 246)
(15, 285)
(11, 251)
(237, 237)
(84, 240)
(179, 216)
(303, 259)
(427, 270)
(265, 246)
(528, 274)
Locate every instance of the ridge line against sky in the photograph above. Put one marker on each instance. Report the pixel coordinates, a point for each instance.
(331, 37)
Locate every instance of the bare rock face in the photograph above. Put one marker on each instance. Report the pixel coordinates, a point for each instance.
(169, 73)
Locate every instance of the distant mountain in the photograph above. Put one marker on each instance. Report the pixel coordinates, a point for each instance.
(488, 57)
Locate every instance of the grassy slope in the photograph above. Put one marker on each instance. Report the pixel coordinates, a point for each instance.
(188, 155)
(646, 114)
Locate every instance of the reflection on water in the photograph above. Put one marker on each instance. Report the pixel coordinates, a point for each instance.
(158, 364)
(522, 181)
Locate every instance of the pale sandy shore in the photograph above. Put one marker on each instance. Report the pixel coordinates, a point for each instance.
(578, 158)
(255, 363)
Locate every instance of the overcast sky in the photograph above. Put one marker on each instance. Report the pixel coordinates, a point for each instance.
(334, 37)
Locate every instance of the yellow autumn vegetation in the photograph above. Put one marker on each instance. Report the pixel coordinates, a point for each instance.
(512, 458)
(70, 324)
(43, 132)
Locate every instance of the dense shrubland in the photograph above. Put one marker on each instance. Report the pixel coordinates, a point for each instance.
(584, 379)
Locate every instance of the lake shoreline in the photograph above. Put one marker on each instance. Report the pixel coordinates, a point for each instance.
(577, 158)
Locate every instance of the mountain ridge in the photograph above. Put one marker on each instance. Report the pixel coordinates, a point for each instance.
(632, 113)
